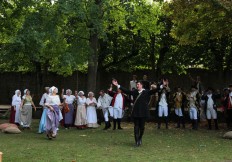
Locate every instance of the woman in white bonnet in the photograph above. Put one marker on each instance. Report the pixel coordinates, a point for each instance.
(53, 117)
(68, 116)
(80, 120)
(16, 102)
(42, 124)
(91, 103)
(26, 110)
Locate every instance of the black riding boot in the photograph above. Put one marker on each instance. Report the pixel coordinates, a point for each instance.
(192, 124)
(209, 124)
(166, 122)
(182, 121)
(195, 124)
(119, 124)
(106, 126)
(136, 134)
(178, 122)
(159, 122)
(114, 121)
(141, 136)
(216, 124)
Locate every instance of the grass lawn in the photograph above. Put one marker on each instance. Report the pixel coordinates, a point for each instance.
(116, 146)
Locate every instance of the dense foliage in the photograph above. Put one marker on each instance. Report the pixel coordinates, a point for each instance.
(97, 35)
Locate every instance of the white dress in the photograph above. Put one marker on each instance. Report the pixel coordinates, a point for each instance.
(91, 113)
(16, 101)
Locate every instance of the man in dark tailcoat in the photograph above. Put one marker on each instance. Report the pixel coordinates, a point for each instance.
(140, 110)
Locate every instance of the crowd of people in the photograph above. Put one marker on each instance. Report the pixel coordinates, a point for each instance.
(77, 110)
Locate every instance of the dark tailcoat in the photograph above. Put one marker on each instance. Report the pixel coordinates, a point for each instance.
(140, 108)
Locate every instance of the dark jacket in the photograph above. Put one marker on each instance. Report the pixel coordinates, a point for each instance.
(140, 108)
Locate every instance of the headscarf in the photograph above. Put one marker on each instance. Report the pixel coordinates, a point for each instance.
(52, 89)
(81, 92)
(25, 92)
(68, 90)
(16, 92)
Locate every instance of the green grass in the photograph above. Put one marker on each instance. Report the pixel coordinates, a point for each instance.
(116, 146)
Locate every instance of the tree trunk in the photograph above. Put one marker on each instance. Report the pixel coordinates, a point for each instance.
(152, 57)
(92, 63)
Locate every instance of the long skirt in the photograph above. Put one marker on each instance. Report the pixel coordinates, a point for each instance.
(68, 117)
(81, 116)
(42, 124)
(53, 118)
(26, 116)
(17, 112)
(92, 117)
(12, 115)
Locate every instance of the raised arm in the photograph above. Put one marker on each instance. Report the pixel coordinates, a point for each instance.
(115, 83)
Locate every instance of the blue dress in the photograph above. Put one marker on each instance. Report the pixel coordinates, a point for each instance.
(42, 124)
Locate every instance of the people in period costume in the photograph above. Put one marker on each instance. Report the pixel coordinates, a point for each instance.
(91, 103)
(103, 103)
(140, 109)
(53, 112)
(228, 106)
(133, 83)
(197, 83)
(26, 110)
(211, 108)
(193, 98)
(16, 102)
(80, 121)
(179, 99)
(42, 124)
(163, 105)
(118, 104)
(146, 83)
(68, 114)
(154, 98)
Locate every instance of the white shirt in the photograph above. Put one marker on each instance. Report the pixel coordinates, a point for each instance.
(230, 94)
(118, 103)
(53, 100)
(104, 101)
(81, 101)
(163, 100)
(210, 102)
(43, 99)
(69, 99)
(16, 100)
(133, 84)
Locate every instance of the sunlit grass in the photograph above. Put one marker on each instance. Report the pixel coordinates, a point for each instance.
(116, 146)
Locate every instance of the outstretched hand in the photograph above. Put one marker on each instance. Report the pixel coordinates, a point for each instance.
(115, 82)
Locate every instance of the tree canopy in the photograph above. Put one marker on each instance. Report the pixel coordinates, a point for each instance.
(103, 35)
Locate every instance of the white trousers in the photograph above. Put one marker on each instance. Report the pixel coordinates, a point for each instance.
(118, 113)
(106, 112)
(178, 112)
(163, 111)
(193, 113)
(211, 113)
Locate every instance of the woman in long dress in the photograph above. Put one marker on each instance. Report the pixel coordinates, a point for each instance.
(80, 120)
(91, 103)
(68, 116)
(42, 124)
(16, 102)
(53, 117)
(26, 110)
